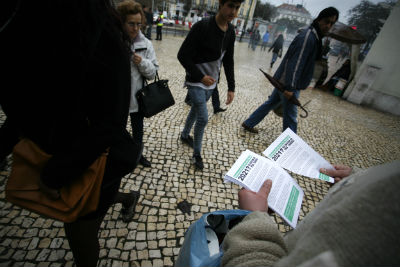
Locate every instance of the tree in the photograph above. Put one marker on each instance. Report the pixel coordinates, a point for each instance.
(369, 18)
(265, 11)
(292, 25)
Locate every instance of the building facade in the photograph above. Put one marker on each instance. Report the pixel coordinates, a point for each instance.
(293, 12)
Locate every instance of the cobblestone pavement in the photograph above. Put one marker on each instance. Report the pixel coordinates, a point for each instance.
(340, 131)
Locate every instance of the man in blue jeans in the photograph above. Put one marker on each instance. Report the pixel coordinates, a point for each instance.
(209, 44)
(296, 70)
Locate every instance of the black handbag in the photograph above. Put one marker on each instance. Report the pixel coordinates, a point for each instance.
(154, 97)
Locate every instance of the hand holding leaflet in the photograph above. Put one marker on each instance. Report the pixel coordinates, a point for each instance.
(251, 170)
(295, 155)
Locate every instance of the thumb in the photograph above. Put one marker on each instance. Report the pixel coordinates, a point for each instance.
(265, 188)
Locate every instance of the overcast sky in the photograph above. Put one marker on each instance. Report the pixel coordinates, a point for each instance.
(315, 6)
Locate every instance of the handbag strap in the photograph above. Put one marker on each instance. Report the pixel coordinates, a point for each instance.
(144, 80)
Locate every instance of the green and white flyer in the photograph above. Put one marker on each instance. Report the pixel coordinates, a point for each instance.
(251, 170)
(295, 155)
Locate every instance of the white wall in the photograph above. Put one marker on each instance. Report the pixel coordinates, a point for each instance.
(384, 91)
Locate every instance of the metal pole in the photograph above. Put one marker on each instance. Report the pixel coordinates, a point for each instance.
(245, 22)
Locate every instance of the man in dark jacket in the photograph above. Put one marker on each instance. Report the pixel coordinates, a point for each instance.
(209, 44)
(149, 20)
(296, 70)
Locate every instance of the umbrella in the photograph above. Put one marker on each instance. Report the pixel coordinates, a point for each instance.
(289, 95)
(344, 33)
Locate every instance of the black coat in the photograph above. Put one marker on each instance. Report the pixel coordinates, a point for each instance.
(67, 88)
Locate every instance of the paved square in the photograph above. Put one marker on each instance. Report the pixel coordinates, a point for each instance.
(340, 131)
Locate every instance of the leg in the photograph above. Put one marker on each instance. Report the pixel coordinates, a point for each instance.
(137, 134)
(160, 33)
(290, 113)
(137, 126)
(274, 57)
(262, 111)
(149, 31)
(83, 240)
(198, 115)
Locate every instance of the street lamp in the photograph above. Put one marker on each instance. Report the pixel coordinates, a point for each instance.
(245, 22)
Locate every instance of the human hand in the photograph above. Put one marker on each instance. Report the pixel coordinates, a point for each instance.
(340, 172)
(208, 80)
(252, 201)
(136, 59)
(230, 97)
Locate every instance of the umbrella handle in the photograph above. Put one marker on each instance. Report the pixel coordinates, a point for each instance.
(305, 112)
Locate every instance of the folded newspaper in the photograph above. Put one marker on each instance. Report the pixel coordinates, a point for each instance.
(288, 151)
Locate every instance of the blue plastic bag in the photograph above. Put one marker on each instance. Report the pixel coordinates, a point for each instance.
(195, 250)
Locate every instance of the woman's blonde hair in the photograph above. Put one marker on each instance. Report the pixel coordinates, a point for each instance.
(130, 7)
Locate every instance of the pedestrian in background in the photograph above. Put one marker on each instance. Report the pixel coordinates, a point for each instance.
(256, 39)
(143, 64)
(265, 41)
(295, 71)
(74, 105)
(209, 44)
(159, 23)
(276, 48)
(149, 21)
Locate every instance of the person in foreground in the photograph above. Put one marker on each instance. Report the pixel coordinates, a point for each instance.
(295, 71)
(356, 224)
(209, 44)
(73, 102)
(143, 64)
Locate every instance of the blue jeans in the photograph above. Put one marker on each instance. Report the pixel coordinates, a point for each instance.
(214, 99)
(198, 114)
(289, 110)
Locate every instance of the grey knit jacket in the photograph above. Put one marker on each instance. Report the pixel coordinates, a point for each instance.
(357, 224)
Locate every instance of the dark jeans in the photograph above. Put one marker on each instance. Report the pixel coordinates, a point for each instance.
(198, 116)
(149, 31)
(214, 99)
(159, 33)
(137, 126)
(289, 110)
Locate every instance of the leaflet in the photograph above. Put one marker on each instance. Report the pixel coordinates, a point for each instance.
(251, 170)
(295, 155)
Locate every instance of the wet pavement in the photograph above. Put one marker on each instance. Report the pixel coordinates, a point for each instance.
(339, 130)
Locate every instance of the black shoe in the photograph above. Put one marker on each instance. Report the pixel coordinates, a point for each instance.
(188, 140)
(219, 110)
(248, 128)
(128, 210)
(198, 162)
(144, 162)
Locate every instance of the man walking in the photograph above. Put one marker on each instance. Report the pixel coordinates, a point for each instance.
(149, 20)
(296, 70)
(209, 44)
(265, 41)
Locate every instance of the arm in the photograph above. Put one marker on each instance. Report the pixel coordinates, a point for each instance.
(188, 51)
(301, 49)
(256, 241)
(228, 63)
(148, 65)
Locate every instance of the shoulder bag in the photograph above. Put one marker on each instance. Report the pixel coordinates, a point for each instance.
(154, 97)
(77, 199)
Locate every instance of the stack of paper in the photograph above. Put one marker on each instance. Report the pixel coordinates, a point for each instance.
(288, 151)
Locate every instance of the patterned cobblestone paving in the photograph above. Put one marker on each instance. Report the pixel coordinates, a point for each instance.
(340, 131)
